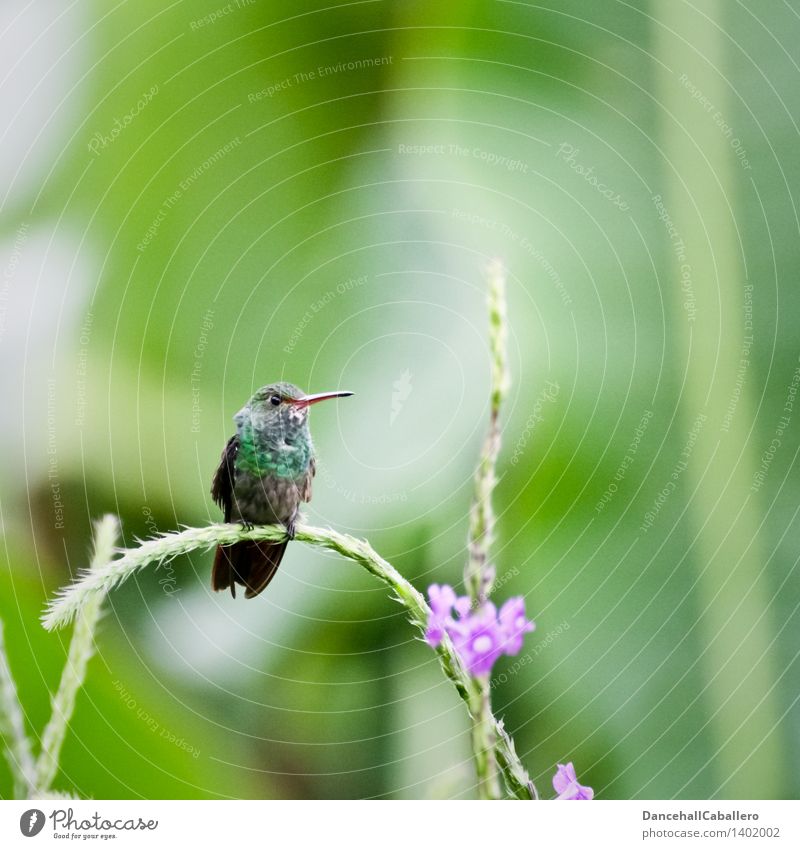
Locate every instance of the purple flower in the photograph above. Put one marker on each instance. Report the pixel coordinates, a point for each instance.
(565, 783)
(479, 636)
(442, 600)
(514, 625)
(478, 639)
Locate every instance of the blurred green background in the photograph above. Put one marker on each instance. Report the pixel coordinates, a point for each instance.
(198, 199)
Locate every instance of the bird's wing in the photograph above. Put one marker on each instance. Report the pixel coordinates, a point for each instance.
(305, 493)
(252, 563)
(224, 477)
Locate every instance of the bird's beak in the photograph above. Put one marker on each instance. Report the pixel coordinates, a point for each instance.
(308, 400)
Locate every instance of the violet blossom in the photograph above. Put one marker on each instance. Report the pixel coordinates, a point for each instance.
(565, 783)
(479, 636)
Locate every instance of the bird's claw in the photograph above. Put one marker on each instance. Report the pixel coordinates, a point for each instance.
(290, 530)
(247, 526)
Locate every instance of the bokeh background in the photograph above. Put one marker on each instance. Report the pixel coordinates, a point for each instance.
(199, 198)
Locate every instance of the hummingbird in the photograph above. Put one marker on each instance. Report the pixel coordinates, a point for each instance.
(265, 472)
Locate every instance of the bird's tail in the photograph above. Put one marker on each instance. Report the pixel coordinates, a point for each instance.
(252, 563)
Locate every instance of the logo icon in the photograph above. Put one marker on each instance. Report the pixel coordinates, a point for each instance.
(401, 390)
(31, 822)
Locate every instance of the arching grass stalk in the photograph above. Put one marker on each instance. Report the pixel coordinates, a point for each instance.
(95, 582)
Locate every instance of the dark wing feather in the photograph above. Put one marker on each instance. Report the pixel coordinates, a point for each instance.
(252, 563)
(222, 575)
(259, 565)
(222, 485)
(222, 570)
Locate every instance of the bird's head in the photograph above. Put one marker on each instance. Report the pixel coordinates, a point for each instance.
(281, 408)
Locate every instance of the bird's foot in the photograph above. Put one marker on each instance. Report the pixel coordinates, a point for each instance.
(290, 530)
(248, 526)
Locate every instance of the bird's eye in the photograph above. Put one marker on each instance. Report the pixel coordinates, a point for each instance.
(275, 400)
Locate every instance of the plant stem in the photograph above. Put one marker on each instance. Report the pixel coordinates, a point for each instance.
(81, 649)
(479, 573)
(101, 578)
(484, 741)
(12, 729)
